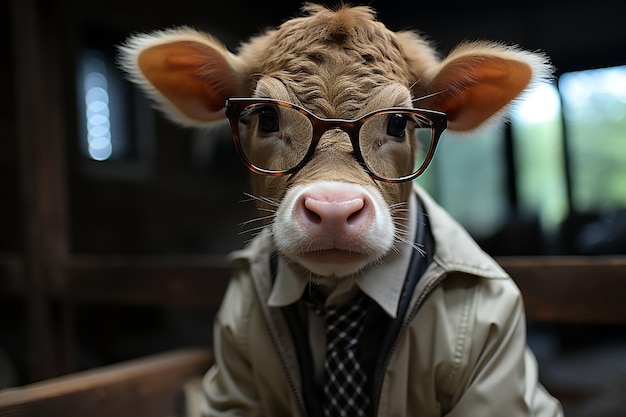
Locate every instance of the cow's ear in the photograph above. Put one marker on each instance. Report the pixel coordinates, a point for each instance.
(476, 83)
(187, 73)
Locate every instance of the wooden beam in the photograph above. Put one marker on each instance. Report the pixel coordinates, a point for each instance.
(41, 141)
(571, 289)
(563, 288)
(146, 387)
(173, 281)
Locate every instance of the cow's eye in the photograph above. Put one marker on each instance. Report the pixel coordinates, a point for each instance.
(396, 125)
(268, 120)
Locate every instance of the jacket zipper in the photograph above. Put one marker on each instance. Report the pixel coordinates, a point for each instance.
(408, 318)
(285, 369)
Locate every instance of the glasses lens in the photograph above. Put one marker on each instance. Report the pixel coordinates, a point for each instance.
(274, 137)
(395, 144)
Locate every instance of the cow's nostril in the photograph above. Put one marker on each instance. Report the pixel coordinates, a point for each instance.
(359, 215)
(310, 213)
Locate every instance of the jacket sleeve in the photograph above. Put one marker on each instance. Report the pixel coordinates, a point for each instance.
(500, 374)
(228, 388)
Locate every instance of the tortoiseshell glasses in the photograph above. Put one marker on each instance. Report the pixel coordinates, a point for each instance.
(275, 137)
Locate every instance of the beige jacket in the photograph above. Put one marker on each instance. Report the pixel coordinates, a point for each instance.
(462, 351)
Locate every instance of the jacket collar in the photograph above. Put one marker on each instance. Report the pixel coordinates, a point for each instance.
(455, 250)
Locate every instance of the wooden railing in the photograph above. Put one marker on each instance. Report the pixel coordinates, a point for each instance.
(588, 290)
(574, 289)
(146, 387)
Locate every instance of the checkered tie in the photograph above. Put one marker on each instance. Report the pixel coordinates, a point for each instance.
(344, 386)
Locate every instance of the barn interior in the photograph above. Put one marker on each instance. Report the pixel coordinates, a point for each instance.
(96, 237)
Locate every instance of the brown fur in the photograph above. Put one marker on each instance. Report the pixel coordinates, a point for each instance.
(331, 61)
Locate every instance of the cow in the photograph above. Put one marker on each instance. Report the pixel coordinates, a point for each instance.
(335, 115)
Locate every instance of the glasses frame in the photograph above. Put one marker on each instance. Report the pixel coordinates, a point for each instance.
(234, 106)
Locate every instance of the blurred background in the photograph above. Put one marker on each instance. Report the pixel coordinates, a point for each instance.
(94, 184)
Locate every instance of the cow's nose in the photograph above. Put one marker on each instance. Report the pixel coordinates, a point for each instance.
(337, 214)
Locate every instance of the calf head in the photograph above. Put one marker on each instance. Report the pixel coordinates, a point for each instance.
(325, 111)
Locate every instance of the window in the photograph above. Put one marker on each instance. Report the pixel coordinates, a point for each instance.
(115, 121)
(97, 139)
(594, 108)
(468, 178)
(563, 166)
(103, 117)
(537, 132)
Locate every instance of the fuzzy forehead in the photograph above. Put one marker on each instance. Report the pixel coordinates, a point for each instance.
(327, 54)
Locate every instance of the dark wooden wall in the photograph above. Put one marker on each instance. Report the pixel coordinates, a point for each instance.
(67, 233)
